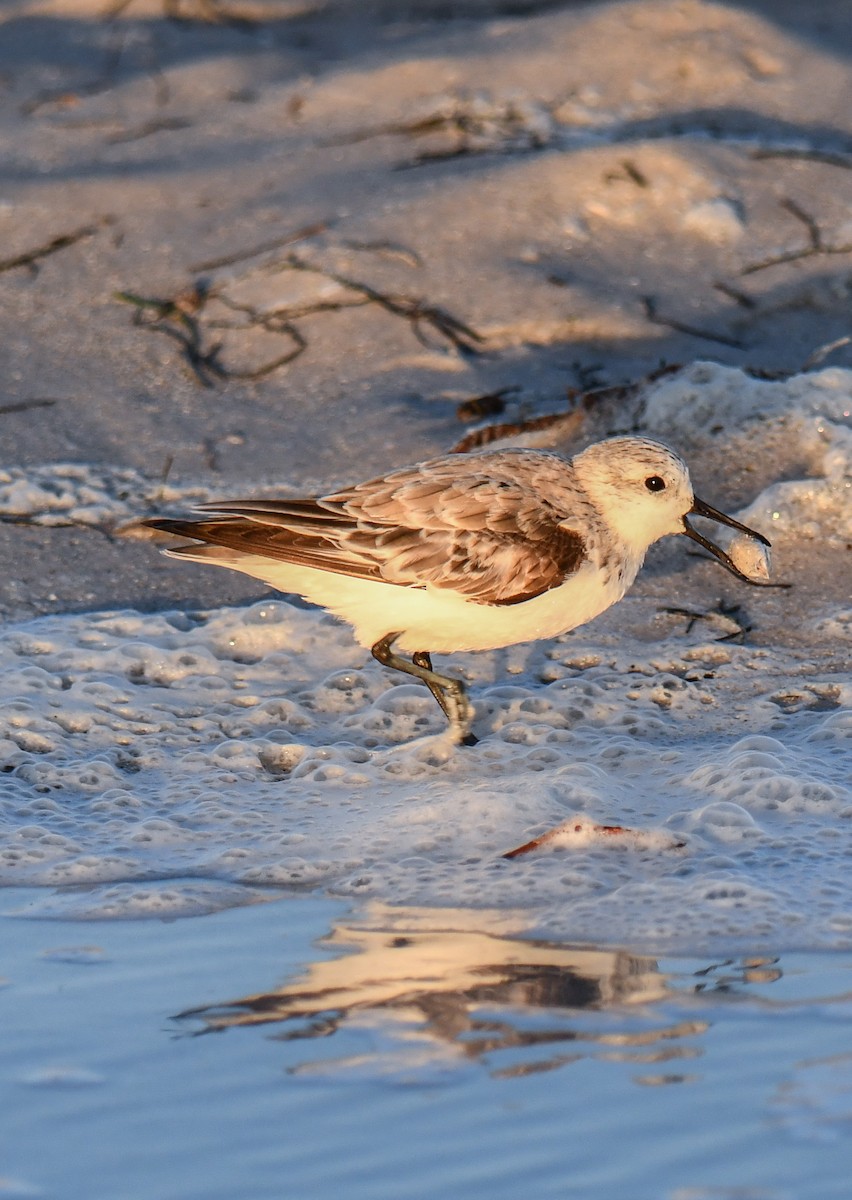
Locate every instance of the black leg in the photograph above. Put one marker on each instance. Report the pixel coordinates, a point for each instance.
(449, 692)
(422, 658)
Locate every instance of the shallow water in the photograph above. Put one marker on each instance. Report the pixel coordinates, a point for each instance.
(417, 1054)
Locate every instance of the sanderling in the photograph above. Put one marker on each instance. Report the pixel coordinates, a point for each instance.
(464, 552)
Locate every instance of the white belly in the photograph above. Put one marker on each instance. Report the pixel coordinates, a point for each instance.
(436, 619)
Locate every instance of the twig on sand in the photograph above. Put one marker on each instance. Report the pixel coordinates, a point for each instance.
(27, 405)
(736, 294)
(629, 171)
(650, 306)
(387, 249)
(468, 125)
(809, 222)
(553, 428)
(816, 242)
(158, 125)
(818, 356)
(31, 258)
(176, 318)
(416, 310)
(535, 431)
(726, 614)
(490, 404)
(287, 239)
(831, 158)
(187, 319)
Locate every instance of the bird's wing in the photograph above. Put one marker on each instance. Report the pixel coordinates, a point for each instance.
(304, 538)
(450, 524)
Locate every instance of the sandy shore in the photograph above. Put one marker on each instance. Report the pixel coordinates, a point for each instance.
(414, 203)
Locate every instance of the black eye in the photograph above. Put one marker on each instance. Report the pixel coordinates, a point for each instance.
(655, 484)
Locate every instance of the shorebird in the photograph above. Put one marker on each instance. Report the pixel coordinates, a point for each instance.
(464, 552)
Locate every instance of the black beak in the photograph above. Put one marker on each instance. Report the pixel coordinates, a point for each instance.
(704, 510)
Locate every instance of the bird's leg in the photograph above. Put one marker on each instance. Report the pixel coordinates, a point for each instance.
(422, 658)
(450, 693)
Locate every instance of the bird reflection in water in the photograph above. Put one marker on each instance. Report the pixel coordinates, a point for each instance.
(463, 985)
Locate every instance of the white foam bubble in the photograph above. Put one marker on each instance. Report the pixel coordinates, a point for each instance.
(139, 790)
(802, 424)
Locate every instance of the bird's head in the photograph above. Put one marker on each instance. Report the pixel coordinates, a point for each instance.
(642, 490)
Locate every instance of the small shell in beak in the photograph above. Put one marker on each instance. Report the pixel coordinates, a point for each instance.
(747, 560)
(752, 558)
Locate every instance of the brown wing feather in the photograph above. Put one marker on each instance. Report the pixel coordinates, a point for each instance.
(250, 537)
(479, 528)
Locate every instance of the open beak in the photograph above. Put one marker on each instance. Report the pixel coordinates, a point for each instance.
(704, 510)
